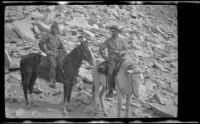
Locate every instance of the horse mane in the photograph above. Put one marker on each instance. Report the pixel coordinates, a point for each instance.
(74, 52)
(75, 57)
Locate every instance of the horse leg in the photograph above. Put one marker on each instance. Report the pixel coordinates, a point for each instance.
(65, 98)
(119, 99)
(127, 105)
(95, 96)
(69, 96)
(25, 89)
(31, 85)
(101, 100)
(24, 85)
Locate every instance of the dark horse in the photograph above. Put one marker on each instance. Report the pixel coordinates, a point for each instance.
(31, 68)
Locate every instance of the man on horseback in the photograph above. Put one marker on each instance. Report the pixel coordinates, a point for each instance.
(116, 48)
(52, 46)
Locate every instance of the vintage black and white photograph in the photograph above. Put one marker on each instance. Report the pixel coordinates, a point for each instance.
(91, 61)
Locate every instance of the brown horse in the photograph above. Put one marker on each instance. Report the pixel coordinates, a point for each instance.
(127, 81)
(31, 68)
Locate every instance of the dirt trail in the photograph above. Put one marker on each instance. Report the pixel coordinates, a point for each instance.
(48, 104)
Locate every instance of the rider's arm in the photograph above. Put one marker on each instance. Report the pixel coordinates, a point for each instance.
(42, 43)
(62, 47)
(125, 47)
(41, 28)
(102, 47)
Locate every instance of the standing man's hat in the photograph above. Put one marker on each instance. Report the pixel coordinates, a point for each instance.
(115, 27)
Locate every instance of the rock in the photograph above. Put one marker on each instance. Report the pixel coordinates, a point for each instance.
(158, 65)
(22, 113)
(35, 114)
(123, 107)
(135, 105)
(79, 22)
(43, 27)
(56, 93)
(24, 29)
(86, 93)
(142, 53)
(80, 85)
(85, 73)
(160, 98)
(143, 92)
(9, 34)
(51, 8)
(37, 90)
(36, 15)
(30, 9)
(138, 113)
(84, 98)
(89, 33)
(174, 87)
(149, 88)
(167, 111)
(12, 79)
(161, 83)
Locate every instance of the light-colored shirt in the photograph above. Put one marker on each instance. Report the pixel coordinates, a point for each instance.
(113, 46)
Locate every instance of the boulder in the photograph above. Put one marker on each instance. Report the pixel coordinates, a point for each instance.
(174, 87)
(79, 22)
(35, 15)
(139, 113)
(24, 29)
(149, 85)
(164, 111)
(161, 99)
(84, 97)
(85, 73)
(22, 113)
(143, 92)
(160, 66)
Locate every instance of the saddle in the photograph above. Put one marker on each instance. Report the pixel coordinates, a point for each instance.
(44, 63)
(103, 68)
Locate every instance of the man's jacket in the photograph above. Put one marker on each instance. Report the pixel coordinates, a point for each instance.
(51, 43)
(114, 47)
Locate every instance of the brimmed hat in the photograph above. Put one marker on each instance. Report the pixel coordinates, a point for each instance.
(115, 27)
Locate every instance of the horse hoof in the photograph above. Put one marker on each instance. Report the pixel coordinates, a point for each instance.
(26, 105)
(64, 113)
(104, 114)
(69, 109)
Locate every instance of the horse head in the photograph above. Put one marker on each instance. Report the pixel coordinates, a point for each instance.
(86, 52)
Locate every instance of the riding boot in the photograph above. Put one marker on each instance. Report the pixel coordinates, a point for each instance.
(52, 71)
(52, 78)
(110, 88)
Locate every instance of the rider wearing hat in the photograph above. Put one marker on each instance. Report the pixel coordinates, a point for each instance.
(51, 45)
(115, 46)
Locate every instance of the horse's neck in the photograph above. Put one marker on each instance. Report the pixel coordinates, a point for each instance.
(76, 57)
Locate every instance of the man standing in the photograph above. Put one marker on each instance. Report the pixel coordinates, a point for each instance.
(51, 45)
(116, 47)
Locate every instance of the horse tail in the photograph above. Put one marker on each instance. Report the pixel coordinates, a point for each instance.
(22, 76)
(21, 70)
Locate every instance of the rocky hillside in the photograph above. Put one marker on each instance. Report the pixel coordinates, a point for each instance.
(150, 30)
